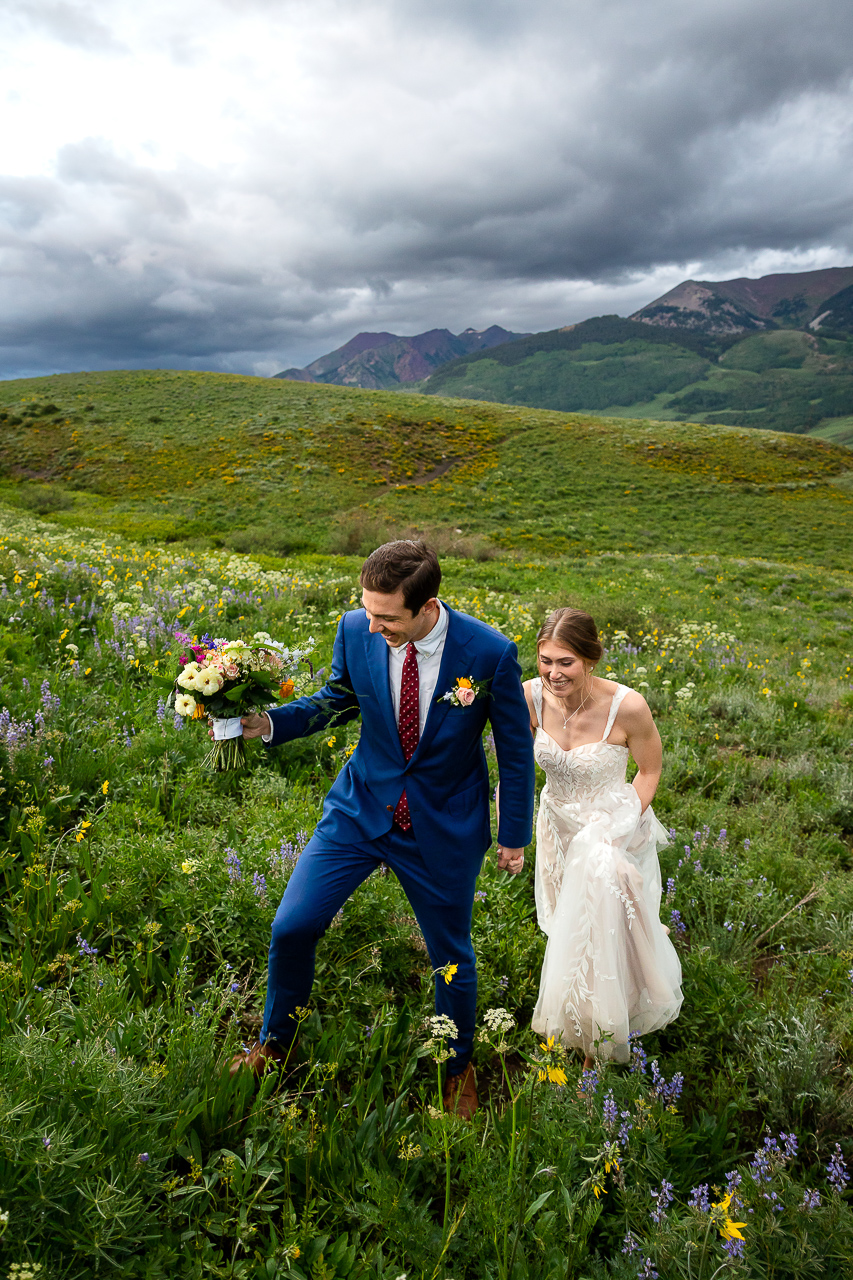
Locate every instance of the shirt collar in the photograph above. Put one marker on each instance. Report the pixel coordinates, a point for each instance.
(434, 638)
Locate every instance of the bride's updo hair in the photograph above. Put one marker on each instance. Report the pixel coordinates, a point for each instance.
(575, 630)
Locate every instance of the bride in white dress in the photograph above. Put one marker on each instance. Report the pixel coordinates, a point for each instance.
(610, 968)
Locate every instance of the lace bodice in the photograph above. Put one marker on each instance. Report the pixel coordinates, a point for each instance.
(581, 771)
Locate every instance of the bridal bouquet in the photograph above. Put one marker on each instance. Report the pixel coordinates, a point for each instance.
(222, 680)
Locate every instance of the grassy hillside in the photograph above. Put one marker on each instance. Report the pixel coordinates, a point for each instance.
(784, 380)
(271, 467)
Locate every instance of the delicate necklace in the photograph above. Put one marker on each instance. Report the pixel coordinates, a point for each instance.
(566, 719)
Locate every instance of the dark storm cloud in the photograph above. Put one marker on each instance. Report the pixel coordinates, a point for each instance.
(449, 163)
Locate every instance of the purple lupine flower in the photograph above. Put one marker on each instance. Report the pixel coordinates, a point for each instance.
(811, 1200)
(47, 762)
(747, 843)
(45, 1142)
(178, 721)
(503, 982)
(83, 947)
(49, 701)
(700, 1198)
(235, 986)
(667, 1093)
(734, 1248)
(480, 896)
(143, 1157)
(790, 1142)
(161, 710)
(676, 922)
(639, 1060)
(836, 1170)
(647, 1271)
(259, 884)
(670, 886)
(630, 1244)
(25, 684)
(588, 1083)
(624, 1128)
(663, 1198)
(609, 1111)
(232, 863)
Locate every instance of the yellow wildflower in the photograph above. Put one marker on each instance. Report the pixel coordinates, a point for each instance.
(728, 1230)
(105, 788)
(449, 972)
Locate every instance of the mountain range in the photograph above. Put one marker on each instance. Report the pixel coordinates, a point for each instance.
(776, 352)
(379, 361)
(815, 299)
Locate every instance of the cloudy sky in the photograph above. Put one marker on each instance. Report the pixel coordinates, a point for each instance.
(245, 184)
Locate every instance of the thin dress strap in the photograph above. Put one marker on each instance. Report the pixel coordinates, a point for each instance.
(614, 707)
(536, 690)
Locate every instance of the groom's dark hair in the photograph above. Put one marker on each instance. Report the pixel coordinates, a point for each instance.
(405, 565)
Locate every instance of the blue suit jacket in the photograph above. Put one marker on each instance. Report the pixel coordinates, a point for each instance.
(447, 779)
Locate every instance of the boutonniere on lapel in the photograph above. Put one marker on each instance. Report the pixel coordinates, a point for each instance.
(464, 692)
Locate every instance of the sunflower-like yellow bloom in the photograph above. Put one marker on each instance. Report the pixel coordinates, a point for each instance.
(728, 1230)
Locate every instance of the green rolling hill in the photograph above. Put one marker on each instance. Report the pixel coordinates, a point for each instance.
(781, 379)
(274, 466)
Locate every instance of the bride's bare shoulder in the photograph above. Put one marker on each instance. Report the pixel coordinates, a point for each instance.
(527, 686)
(634, 708)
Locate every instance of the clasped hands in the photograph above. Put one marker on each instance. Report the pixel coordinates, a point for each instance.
(511, 860)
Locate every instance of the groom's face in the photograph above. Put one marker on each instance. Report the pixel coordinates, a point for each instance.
(397, 625)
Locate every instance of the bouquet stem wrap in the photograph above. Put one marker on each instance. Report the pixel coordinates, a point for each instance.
(228, 751)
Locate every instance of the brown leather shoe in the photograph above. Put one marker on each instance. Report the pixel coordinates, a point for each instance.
(460, 1094)
(260, 1058)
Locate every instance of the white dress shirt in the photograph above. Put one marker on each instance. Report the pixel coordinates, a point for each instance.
(429, 651)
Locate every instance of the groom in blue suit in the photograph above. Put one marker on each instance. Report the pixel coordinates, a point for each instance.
(415, 793)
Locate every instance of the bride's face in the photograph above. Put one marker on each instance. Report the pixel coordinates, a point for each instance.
(562, 671)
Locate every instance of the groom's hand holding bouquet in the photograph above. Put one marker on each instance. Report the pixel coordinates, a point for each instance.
(227, 681)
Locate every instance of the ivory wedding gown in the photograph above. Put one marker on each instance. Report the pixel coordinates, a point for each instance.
(610, 968)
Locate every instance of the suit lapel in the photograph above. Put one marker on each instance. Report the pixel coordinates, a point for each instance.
(453, 664)
(376, 651)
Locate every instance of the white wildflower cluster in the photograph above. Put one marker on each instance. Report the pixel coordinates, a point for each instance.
(686, 693)
(693, 635)
(441, 1029)
(498, 1022)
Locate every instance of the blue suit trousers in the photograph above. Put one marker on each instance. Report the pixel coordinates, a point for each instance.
(322, 880)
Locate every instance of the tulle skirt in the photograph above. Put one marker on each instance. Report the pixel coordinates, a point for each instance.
(610, 968)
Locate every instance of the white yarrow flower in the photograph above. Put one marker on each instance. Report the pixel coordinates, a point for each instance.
(499, 1020)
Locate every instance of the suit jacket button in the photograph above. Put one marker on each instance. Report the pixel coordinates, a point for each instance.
(389, 807)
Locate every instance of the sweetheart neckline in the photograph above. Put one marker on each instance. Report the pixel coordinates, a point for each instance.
(567, 751)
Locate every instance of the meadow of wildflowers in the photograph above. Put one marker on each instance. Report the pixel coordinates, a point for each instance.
(140, 887)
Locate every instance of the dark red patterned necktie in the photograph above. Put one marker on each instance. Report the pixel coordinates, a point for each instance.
(408, 725)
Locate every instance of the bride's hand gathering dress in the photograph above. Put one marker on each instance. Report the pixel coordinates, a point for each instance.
(610, 968)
